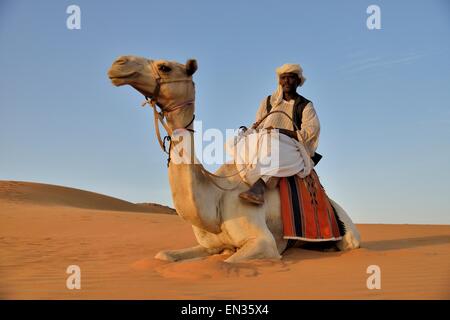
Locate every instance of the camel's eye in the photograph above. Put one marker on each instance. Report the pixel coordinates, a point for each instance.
(164, 68)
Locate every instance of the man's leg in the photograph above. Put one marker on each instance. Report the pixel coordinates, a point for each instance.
(256, 193)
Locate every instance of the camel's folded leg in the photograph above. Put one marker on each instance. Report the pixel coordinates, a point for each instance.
(187, 253)
(256, 248)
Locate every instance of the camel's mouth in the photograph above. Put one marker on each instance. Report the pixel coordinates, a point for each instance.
(123, 70)
(119, 78)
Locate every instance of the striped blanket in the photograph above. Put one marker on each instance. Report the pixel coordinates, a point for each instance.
(306, 212)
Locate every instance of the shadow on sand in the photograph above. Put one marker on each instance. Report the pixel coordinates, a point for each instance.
(396, 244)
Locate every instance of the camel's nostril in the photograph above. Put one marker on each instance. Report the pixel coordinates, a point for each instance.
(121, 60)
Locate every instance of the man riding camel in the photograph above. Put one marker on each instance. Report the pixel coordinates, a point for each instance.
(297, 135)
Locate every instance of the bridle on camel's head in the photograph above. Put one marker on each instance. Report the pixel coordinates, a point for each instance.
(159, 81)
(159, 116)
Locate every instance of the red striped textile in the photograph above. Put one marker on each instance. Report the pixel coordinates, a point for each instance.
(306, 212)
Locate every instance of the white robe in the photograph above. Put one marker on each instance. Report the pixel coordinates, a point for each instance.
(265, 154)
(310, 130)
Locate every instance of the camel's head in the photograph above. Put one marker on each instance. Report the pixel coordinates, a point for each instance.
(176, 85)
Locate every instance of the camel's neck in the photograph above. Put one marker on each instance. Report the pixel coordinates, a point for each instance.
(194, 196)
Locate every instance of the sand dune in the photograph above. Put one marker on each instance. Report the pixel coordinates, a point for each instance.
(52, 195)
(44, 229)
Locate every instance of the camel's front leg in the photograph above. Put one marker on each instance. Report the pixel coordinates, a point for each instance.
(187, 253)
(262, 247)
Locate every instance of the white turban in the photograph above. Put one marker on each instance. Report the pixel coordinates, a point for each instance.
(277, 96)
(292, 68)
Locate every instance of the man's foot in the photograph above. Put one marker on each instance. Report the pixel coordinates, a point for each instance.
(255, 194)
(252, 197)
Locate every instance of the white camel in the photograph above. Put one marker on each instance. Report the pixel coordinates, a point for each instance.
(220, 221)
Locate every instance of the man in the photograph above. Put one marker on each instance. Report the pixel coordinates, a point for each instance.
(296, 147)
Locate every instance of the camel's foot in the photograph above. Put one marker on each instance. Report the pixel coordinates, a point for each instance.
(187, 253)
(166, 255)
(349, 241)
(261, 248)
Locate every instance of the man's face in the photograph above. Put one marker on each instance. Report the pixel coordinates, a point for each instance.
(289, 82)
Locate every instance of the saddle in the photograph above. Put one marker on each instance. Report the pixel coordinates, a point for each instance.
(306, 211)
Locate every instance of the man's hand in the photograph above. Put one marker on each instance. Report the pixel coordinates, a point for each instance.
(269, 129)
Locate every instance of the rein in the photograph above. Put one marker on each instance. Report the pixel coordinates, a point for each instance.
(159, 116)
(257, 123)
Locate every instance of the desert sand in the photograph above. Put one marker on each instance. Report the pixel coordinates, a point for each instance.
(45, 228)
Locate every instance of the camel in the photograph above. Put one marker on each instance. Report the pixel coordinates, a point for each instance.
(222, 224)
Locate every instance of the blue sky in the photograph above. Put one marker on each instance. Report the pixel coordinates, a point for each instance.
(382, 96)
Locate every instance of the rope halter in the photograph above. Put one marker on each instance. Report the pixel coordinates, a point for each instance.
(159, 116)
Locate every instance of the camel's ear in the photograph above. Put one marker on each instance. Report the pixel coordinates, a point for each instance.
(191, 67)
